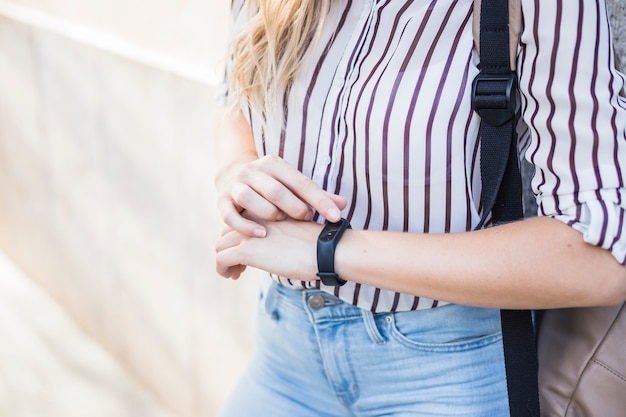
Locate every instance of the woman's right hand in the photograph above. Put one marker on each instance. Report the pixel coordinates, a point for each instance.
(270, 189)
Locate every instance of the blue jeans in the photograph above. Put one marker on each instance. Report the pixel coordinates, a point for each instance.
(319, 357)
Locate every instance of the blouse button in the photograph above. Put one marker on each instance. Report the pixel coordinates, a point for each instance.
(324, 160)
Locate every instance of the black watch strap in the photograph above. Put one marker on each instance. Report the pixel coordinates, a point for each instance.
(326, 244)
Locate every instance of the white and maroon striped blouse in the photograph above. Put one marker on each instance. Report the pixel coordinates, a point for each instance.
(381, 115)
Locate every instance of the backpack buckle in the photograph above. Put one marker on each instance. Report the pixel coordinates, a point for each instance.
(494, 97)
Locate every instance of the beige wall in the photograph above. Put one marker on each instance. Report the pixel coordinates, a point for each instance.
(106, 196)
(184, 30)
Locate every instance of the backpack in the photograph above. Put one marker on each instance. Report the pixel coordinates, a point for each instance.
(582, 362)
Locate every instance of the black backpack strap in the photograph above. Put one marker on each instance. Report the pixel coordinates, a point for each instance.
(494, 97)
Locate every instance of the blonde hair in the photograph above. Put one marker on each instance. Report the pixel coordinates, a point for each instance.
(270, 49)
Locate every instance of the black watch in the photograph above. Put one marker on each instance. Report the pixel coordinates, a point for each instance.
(326, 244)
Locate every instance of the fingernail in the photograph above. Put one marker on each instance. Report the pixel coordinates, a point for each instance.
(259, 232)
(309, 216)
(333, 214)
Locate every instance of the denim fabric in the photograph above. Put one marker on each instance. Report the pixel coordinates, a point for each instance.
(322, 357)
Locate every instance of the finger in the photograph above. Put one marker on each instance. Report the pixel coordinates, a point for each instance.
(306, 190)
(228, 264)
(316, 197)
(234, 272)
(228, 240)
(282, 199)
(233, 219)
(225, 229)
(338, 200)
(254, 194)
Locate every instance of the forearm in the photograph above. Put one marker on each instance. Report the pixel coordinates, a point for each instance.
(234, 144)
(537, 263)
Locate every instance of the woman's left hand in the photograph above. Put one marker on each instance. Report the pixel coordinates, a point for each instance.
(289, 249)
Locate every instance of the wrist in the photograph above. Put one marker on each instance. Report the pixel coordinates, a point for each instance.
(228, 170)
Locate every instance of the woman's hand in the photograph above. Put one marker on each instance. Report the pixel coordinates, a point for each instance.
(270, 189)
(288, 250)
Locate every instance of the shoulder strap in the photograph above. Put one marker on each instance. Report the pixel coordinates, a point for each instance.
(495, 99)
(494, 96)
(515, 28)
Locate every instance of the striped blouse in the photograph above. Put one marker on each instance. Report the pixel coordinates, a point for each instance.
(381, 115)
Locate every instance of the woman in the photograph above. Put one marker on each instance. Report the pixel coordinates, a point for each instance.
(361, 109)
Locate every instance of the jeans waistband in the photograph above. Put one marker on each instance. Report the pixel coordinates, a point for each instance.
(321, 307)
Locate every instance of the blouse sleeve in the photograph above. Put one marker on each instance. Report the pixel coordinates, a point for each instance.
(571, 102)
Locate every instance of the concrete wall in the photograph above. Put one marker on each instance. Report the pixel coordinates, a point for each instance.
(617, 14)
(106, 197)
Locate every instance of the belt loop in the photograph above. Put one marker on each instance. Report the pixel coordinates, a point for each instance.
(372, 329)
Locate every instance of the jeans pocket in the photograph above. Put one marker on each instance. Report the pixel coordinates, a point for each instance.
(451, 329)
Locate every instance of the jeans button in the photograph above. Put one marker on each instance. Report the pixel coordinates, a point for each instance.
(317, 302)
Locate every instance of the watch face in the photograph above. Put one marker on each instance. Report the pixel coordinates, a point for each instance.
(328, 235)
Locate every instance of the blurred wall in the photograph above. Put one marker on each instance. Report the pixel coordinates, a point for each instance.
(106, 196)
(617, 14)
